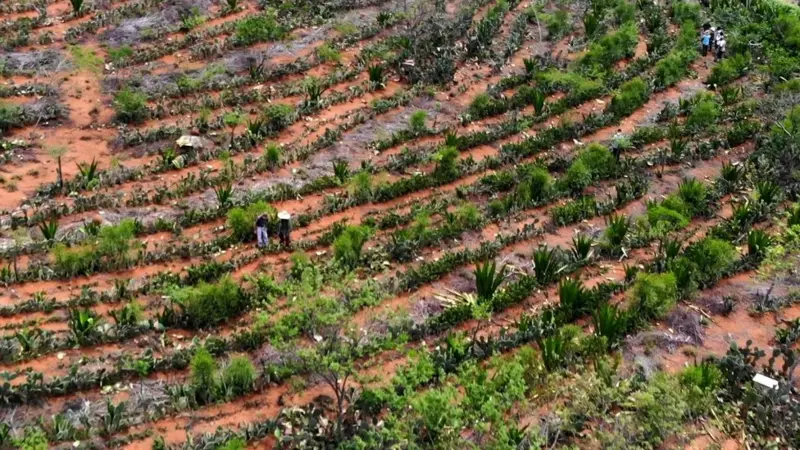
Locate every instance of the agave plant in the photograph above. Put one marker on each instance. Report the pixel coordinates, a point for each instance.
(341, 170)
(62, 429)
(256, 68)
(582, 248)
(488, 279)
(127, 316)
(767, 192)
(538, 101)
(89, 172)
(731, 94)
(224, 193)
(617, 228)
(553, 354)
(314, 90)
(732, 176)
(572, 298)
(547, 264)
(706, 376)
(610, 323)
(377, 77)
(678, 147)
(77, 6)
(530, 66)
(757, 243)
(693, 193)
(83, 325)
(49, 228)
(630, 272)
(451, 139)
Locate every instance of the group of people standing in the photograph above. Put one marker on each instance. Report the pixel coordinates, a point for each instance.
(713, 39)
(284, 229)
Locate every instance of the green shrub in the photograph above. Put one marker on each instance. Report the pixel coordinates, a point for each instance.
(446, 163)
(788, 87)
(278, 116)
(713, 258)
(557, 24)
(694, 195)
(116, 55)
(577, 178)
(612, 47)
(599, 160)
(683, 11)
(653, 295)
(204, 372)
(624, 13)
(659, 216)
(130, 106)
(236, 443)
(326, 53)
(673, 67)
(208, 304)
(536, 183)
(242, 221)
(630, 96)
(729, 69)
(417, 121)
(240, 376)
(704, 113)
(577, 85)
(347, 247)
(72, 261)
(11, 116)
(115, 241)
(259, 28)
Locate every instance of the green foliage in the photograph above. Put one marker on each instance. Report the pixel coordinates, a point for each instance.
(712, 258)
(446, 159)
(263, 27)
(612, 47)
(83, 326)
(239, 376)
(72, 261)
(34, 438)
(599, 160)
(693, 193)
(547, 264)
(235, 443)
(729, 69)
(204, 375)
(577, 178)
(119, 54)
(224, 194)
(127, 316)
(326, 53)
(360, 185)
(49, 228)
(611, 323)
(115, 242)
(557, 24)
(86, 59)
(347, 247)
(209, 304)
(617, 228)
(704, 113)
(242, 220)
(705, 376)
(10, 117)
(417, 121)
(630, 96)
(488, 279)
(660, 216)
(130, 106)
(573, 298)
(653, 295)
(684, 11)
(757, 243)
(77, 6)
(273, 155)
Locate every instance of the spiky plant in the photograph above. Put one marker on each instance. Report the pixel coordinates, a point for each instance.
(547, 264)
(224, 193)
(89, 172)
(630, 272)
(341, 170)
(488, 279)
(757, 243)
(767, 192)
(693, 193)
(731, 94)
(77, 7)
(572, 298)
(451, 139)
(793, 215)
(553, 354)
(617, 228)
(114, 418)
(377, 77)
(57, 153)
(83, 326)
(49, 228)
(610, 323)
(314, 90)
(538, 101)
(732, 176)
(530, 66)
(582, 250)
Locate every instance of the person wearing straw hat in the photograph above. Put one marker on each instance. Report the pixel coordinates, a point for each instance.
(284, 227)
(261, 231)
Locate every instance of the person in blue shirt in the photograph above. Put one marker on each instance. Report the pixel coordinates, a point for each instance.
(706, 41)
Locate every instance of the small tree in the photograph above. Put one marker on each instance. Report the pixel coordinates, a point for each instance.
(204, 370)
(232, 120)
(57, 153)
(417, 121)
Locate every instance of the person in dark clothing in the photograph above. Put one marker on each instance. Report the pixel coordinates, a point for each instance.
(284, 228)
(616, 144)
(261, 231)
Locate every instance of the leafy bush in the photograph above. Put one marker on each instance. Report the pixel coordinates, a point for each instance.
(683, 11)
(729, 69)
(347, 247)
(712, 257)
(573, 298)
(630, 96)
(612, 47)
(557, 24)
(538, 183)
(242, 221)
(446, 163)
(693, 193)
(130, 106)
(278, 116)
(611, 323)
(417, 121)
(577, 178)
(599, 160)
(661, 216)
(72, 261)
(239, 376)
(326, 53)
(704, 113)
(673, 67)
(11, 116)
(203, 375)
(653, 295)
(209, 304)
(259, 28)
(547, 264)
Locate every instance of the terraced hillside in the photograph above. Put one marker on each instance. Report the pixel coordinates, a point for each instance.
(516, 225)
